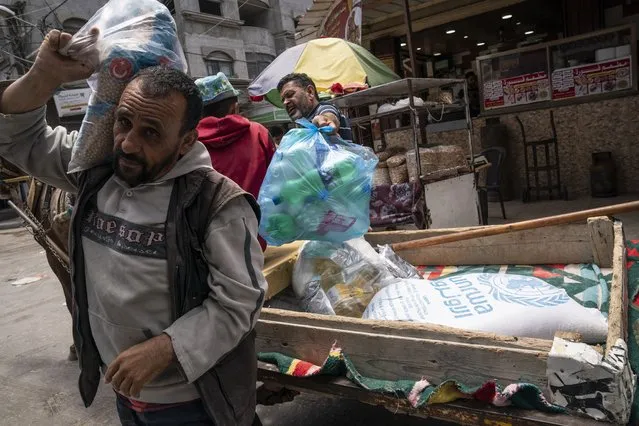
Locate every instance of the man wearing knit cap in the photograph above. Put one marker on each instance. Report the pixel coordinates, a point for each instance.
(240, 149)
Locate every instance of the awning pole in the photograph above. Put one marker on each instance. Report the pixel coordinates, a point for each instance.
(409, 38)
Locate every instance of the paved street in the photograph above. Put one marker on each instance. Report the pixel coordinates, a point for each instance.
(38, 384)
(517, 211)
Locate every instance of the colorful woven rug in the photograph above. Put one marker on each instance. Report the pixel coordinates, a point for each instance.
(418, 393)
(633, 316)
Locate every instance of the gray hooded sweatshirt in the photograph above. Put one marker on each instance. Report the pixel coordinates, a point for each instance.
(126, 264)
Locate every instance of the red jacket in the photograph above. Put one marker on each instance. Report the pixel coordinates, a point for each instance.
(240, 149)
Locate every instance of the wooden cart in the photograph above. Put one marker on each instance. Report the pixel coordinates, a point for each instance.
(393, 350)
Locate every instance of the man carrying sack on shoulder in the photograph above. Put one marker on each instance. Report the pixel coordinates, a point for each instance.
(166, 265)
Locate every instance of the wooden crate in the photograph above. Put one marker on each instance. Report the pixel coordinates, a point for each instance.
(398, 350)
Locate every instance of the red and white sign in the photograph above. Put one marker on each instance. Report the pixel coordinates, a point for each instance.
(521, 90)
(593, 79)
(343, 20)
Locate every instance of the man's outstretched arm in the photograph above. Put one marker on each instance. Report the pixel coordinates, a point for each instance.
(25, 138)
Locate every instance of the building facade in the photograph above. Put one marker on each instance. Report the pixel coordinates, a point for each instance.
(237, 37)
(25, 23)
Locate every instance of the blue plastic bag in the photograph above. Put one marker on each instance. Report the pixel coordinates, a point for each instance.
(315, 189)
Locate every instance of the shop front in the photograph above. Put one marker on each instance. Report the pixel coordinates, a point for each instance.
(577, 94)
(553, 83)
(68, 106)
(559, 109)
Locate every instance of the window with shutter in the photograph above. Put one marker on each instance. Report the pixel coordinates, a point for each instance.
(219, 62)
(257, 62)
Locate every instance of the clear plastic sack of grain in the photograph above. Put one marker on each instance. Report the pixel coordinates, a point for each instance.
(340, 278)
(122, 38)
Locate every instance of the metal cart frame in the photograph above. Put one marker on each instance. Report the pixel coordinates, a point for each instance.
(409, 88)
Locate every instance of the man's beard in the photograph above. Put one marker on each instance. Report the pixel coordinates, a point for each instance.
(301, 110)
(296, 114)
(146, 174)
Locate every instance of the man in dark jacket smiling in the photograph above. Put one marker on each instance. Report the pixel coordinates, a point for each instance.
(299, 96)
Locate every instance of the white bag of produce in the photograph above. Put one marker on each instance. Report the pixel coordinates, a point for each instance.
(122, 38)
(345, 275)
(314, 301)
(512, 305)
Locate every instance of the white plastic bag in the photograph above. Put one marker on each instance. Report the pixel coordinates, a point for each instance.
(512, 305)
(346, 274)
(122, 38)
(397, 266)
(314, 301)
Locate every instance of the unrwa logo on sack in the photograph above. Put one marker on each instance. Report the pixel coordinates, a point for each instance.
(522, 290)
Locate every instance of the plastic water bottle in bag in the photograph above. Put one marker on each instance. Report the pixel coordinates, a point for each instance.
(315, 189)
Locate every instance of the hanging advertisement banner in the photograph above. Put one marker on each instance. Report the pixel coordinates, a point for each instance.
(520, 90)
(343, 20)
(592, 79)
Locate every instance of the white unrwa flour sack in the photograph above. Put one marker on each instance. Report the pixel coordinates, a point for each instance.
(513, 305)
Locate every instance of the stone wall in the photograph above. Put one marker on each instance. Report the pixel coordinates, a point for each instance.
(198, 46)
(608, 125)
(201, 34)
(52, 15)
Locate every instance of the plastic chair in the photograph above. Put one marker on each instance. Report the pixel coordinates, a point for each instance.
(495, 156)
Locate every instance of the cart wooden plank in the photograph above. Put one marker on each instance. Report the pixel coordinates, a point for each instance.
(602, 238)
(471, 413)
(407, 329)
(391, 357)
(618, 308)
(557, 244)
(278, 266)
